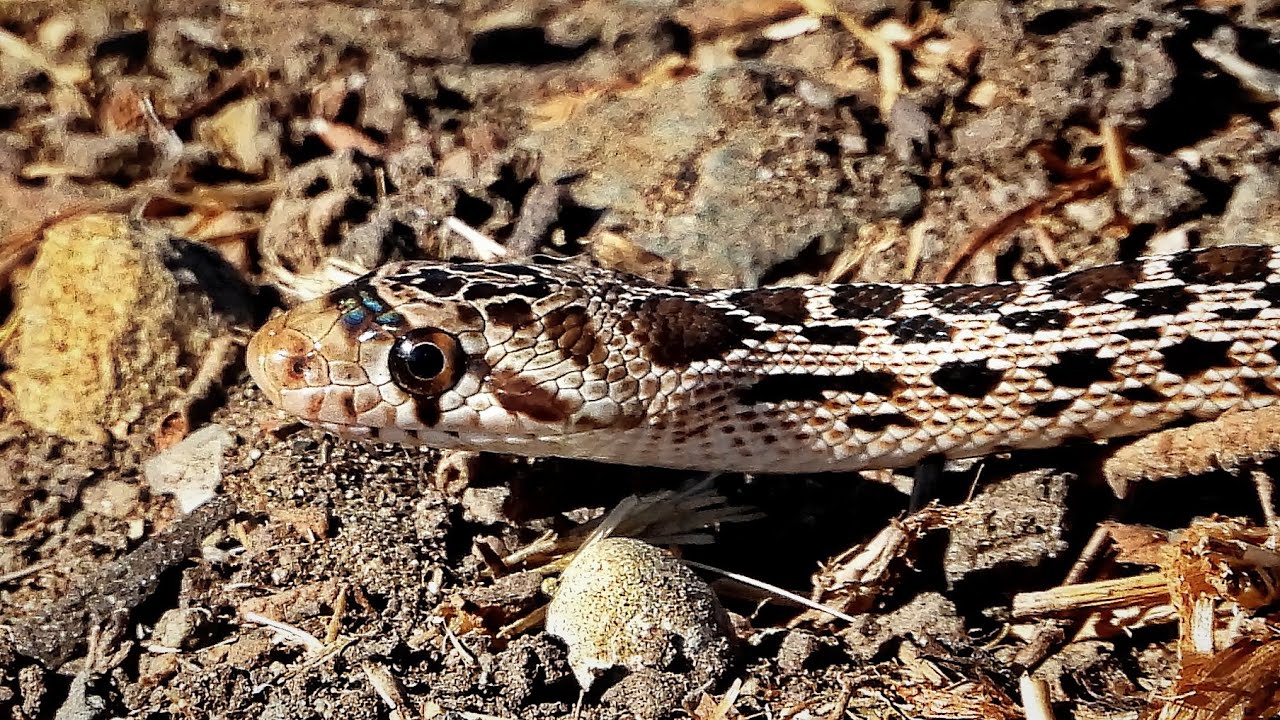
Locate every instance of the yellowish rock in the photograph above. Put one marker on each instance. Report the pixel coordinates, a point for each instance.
(106, 337)
(624, 603)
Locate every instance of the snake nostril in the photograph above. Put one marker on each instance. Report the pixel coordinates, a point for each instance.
(283, 359)
(291, 367)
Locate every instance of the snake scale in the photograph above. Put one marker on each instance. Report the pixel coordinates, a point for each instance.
(572, 361)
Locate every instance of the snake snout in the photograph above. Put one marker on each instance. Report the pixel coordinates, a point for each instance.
(282, 359)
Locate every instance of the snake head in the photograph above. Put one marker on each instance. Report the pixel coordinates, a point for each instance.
(365, 361)
(452, 356)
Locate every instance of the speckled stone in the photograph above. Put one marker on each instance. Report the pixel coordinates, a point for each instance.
(623, 602)
(107, 335)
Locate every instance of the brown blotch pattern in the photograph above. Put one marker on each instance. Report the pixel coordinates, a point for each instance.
(468, 315)
(571, 329)
(782, 306)
(859, 301)
(677, 331)
(511, 313)
(1089, 286)
(1218, 265)
(973, 299)
(519, 395)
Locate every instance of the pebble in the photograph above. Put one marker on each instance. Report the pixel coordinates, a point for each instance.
(624, 603)
(106, 331)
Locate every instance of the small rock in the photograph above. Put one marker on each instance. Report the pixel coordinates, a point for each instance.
(111, 317)
(729, 153)
(32, 689)
(1253, 212)
(1018, 520)
(112, 498)
(928, 618)
(243, 135)
(625, 603)
(800, 651)
(647, 695)
(177, 628)
(485, 505)
(529, 665)
(508, 597)
(191, 470)
(1157, 189)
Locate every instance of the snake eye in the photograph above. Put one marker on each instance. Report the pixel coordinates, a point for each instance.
(426, 361)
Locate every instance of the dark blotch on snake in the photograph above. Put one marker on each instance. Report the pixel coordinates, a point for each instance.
(536, 288)
(531, 290)
(782, 306)
(1237, 313)
(1050, 408)
(1164, 300)
(968, 378)
(440, 283)
(677, 331)
(1079, 369)
(1029, 321)
(920, 328)
(468, 315)
(1142, 393)
(1143, 332)
(876, 423)
(859, 301)
(517, 270)
(511, 313)
(573, 332)
(1089, 286)
(519, 395)
(1258, 386)
(482, 291)
(973, 299)
(773, 389)
(1269, 293)
(426, 410)
(832, 334)
(1193, 356)
(1221, 265)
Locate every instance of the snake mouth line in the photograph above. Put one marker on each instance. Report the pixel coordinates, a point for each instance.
(348, 430)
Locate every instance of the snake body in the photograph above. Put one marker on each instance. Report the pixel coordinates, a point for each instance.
(565, 360)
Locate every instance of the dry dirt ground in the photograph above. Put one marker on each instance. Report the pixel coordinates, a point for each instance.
(698, 142)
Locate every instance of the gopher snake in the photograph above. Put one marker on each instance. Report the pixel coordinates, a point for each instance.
(563, 360)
